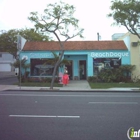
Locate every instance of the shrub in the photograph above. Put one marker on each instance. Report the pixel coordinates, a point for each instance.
(106, 75)
(42, 79)
(136, 79)
(93, 79)
(121, 74)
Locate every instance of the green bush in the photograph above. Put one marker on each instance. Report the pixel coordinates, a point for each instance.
(136, 79)
(93, 79)
(106, 75)
(121, 74)
(42, 79)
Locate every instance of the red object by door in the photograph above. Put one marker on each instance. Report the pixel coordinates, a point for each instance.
(65, 79)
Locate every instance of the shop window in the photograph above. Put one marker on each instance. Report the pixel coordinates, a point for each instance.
(42, 67)
(105, 63)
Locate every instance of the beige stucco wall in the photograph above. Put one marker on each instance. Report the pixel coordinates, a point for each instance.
(135, 55)
(134, 52)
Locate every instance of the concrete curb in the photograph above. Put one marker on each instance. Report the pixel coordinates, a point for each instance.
(72, 90)
(64, 89)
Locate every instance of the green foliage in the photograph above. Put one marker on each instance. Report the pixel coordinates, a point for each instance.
(55, 59)
(136, 79)
(121, 74)
(106, 75)
(42, 79)
(58, 19)
(33, 35)
(25, 66)
(126, 13)
(8, 40)
(93, 79)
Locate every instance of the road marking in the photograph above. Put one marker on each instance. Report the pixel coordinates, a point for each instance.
(42, 116)
(124, 103)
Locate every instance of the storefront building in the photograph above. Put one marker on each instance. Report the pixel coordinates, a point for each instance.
(87, 58)
(132, 43)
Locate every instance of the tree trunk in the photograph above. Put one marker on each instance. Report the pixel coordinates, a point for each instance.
(55, 69)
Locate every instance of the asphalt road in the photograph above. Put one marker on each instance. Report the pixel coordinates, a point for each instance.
(68, 115)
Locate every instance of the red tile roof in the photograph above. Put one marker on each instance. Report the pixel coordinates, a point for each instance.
(75, 45)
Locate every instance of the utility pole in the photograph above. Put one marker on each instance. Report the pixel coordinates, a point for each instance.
(98, 37)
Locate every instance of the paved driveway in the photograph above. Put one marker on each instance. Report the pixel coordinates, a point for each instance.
(8, 78)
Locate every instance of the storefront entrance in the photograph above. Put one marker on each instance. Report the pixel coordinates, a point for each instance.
(77, 68)
(70, 69)
(82, 69)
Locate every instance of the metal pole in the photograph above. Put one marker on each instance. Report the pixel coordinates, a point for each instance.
(19, 50)
(20, 71)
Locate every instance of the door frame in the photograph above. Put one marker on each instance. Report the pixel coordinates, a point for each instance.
(71, 61)
(84, 65)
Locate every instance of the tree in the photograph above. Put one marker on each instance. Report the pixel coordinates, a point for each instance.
(33, 35)
(57, 19)
(8, 40)
(126, 13)
(23, 65)
(55, 59)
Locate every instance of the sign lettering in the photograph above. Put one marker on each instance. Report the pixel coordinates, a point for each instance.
(109, 54)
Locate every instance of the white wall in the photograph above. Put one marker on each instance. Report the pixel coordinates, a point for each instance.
(5, 61)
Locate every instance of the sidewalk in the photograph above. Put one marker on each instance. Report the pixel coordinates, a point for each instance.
(78, 86)
(74, 85)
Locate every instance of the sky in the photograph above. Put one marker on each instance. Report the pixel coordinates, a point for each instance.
(92, 16)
